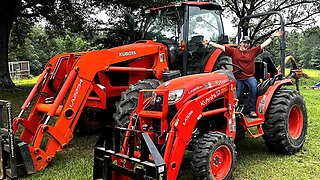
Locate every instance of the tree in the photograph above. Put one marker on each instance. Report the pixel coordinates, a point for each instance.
(61, 14)
(303, 46)
(118, 30)
(297, 13)
(310, 51)
(37, 47)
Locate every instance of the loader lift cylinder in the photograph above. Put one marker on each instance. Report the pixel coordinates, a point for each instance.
(33, 92)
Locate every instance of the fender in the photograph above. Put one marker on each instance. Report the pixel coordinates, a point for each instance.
(263, 101)
(212, 60)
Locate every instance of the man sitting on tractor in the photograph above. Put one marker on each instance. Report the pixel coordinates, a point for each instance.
(244, 57)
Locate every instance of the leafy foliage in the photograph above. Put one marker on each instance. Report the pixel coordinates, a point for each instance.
(297, 14)
(37, 47)
(304, 46)
(62, 16)
(120, 28)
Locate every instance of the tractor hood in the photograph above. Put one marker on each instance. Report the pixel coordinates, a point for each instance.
(187, 87)
(95, 61)
(122, 53)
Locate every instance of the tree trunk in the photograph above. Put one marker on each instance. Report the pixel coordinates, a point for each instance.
(6, 23)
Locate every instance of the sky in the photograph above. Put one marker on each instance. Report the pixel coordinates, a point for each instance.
(228, 27)
(232, 31)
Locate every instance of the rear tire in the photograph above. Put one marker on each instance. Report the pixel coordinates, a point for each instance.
(129, 100)
(286, 123)
(213, 157)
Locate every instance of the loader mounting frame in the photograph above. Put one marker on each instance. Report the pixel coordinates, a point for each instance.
(113, 162)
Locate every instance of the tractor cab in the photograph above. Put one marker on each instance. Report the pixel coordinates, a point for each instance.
(182, 27)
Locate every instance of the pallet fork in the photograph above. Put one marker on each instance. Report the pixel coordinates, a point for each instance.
(15, 157)
(112, 164)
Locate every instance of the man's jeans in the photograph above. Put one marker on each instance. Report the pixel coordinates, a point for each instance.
(252, 82)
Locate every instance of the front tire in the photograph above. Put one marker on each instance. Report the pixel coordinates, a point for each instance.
(286, 123)
(213, 157)
(129, 100)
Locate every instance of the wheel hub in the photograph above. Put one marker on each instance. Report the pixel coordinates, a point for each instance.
(221, 162)
(217, 161)
(295, 124)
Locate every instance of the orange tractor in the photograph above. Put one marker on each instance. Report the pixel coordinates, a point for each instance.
(202, 113)
(82, 89)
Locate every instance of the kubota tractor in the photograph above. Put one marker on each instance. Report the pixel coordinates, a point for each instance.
(81, 89)
(202, 113)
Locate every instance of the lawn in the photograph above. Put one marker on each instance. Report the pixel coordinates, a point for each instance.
(254, 161)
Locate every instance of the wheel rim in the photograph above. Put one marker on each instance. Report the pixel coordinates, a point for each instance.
(221, 162)
(295, 122)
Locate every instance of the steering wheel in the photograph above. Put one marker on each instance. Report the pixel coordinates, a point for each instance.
(174, 39)
(223, 65)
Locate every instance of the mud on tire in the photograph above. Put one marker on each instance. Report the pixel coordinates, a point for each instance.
(285, 127)
(129, 100)
(213, 157)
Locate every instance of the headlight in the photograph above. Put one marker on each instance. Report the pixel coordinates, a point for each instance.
(175, 96)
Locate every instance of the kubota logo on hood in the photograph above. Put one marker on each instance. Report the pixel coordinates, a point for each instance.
(128, 53)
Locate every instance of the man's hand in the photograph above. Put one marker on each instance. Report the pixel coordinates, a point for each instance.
(268, 41)
(277, 33)
(207, 42)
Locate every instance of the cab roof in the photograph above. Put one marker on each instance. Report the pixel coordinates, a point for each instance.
(206, 5)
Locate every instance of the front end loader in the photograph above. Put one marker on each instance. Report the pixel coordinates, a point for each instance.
(84, 89)
(191, 112)
(69, 84)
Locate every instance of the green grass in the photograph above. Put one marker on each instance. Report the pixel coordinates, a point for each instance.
(254, 160)
(25, 82)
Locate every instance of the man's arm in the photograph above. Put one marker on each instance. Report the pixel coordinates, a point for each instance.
(206, 42)
(268, 41)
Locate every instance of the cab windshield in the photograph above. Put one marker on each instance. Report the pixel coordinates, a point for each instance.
(164, 25)
(173, 27)
(204, 23)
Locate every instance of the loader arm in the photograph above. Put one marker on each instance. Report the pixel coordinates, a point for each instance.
(68, 84)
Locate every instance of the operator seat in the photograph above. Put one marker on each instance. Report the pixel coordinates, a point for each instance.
(271, 67)
(261, 74)
(263, 69)
(194, 42)
(198, 54)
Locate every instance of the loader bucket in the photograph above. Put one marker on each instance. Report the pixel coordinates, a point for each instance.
(15, 157)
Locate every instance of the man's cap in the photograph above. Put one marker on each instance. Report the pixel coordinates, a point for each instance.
(245, 38)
